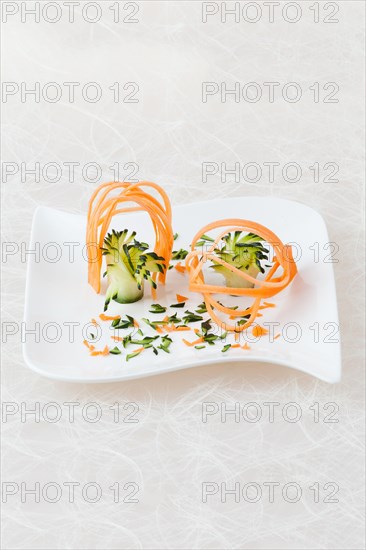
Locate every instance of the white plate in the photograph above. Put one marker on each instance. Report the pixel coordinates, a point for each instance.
(57, 294)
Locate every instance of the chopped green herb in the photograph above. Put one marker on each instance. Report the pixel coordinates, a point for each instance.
(92, 335)
(126, 340)
(228, 307)
(181, 304)
(115, 351)
(154, 324)
(123, 323)
(165, 343)
(132, 355)
(171, 266)
(206, 326)
(243, 320)
(226, 347)
(191, 317)
(145, 341)
(201, 308)
(157, 308)
(174, 318)
(179, 254)
(210, 338)
(199, 346)
(204, 239)
(175, 236)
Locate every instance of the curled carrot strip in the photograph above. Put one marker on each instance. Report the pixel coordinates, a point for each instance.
(104, 204)
(263, 288)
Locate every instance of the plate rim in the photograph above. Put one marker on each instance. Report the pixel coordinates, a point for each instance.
(191, 363)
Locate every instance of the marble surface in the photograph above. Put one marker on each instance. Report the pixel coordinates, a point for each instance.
(171, 136)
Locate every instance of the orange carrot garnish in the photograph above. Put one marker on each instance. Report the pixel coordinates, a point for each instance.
(259, 331)
(194, 343)
(104, 317)
(180, 267)
(264, 288)
(106, 202)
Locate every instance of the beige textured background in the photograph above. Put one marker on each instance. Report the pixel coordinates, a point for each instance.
(169, 133)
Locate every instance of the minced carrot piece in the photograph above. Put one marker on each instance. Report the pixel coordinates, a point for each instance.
(235, 346)
(94, 322)
(166, 318)
(181, 298)
(267, 304)
(197, 330)
(173, 328)
(139, 349)
(104, 351)
(246, 346)
(179, 267)
(135, 324)
(89, 346)
(117, 338)
(277, 336)
(190, 344)
(159, 330)
(259, 331)
(104, 317)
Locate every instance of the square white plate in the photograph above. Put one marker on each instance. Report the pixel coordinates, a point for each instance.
(60, 304)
